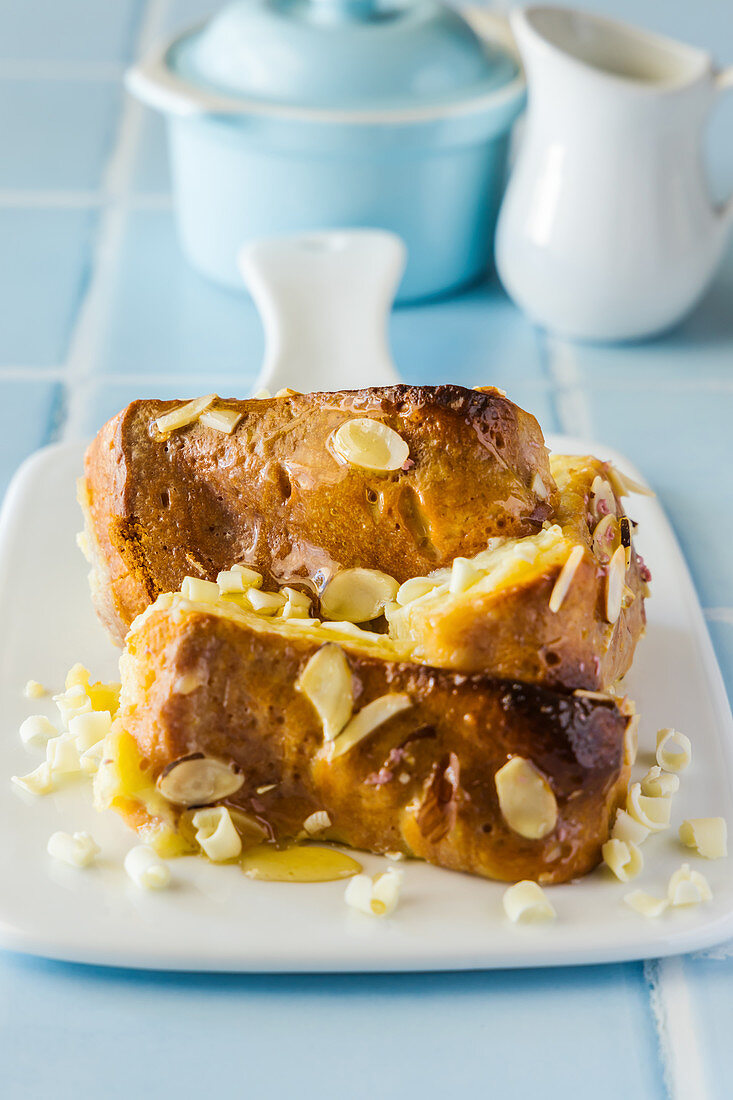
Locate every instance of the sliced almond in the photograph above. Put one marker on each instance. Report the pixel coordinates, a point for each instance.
(370, 444)
(624, 485)
(526, 799)
(198, 780)
(326, 683)
(184, 414)
(371, 716)
(357, 595)
(602, 501)
(565, 578)
(606, 538)
(615, 585)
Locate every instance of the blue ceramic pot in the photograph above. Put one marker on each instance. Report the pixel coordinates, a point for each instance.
(295, 115)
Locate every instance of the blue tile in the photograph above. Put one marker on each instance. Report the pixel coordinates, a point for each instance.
(28, 413)
(85, 30)
(40, 149)
(44, 261)
(722, 636)
(151, 170)
(330, 1037)
(710, 981)
(166, 319)
(682, 444)
(477, 338)
(185, 13)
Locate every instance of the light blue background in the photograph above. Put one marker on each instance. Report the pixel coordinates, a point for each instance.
(98, 307)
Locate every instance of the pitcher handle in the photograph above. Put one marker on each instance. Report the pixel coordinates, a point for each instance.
(724, 83)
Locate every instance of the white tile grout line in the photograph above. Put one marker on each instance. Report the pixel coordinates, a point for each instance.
(81, 200)
(94, 309)
(13, 69)
(677, 1033)
(719, 615)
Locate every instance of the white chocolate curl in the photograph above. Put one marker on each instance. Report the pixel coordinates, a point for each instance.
(667, 758)
(526, 901)
(707, 835)
(378, 896)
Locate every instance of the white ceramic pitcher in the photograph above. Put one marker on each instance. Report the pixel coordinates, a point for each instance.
(607, 230)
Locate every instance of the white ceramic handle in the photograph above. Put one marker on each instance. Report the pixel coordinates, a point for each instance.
(324, 299)
(724, 82)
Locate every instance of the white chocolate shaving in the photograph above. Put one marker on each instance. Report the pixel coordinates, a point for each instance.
(146, 869)
(77, 849)
(357, 595)
(654, 812)
(688, 887)
(645, 904)
(62, 755)
(216, 834)
(565, 578)
(659, 784)
(77, 676)
(667, 758)
(463, 575)
(370, 444)
(88, 729)
(377, 896)
(414, 589)
(33, 690)
(200, 591)
(707, 835)
(265, 603)
(37, 730)
(623, 857)
(221, 420)
(326, 683)
(628, 829)
(526, 799)
(368, 719)
(527, 901)
(184, 414)
(39, 781)
(238, 579)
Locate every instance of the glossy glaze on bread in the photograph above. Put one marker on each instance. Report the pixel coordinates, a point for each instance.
(422, 784)
(272, 493)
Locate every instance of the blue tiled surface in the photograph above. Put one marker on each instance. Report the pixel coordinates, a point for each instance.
(45, 257)
(97, 307)
(53, 155)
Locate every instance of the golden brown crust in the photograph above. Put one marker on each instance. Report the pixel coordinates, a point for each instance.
(273, 495)
(421, 784)
(512, 632)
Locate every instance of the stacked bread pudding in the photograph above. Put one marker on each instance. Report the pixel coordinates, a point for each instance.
(384, 617)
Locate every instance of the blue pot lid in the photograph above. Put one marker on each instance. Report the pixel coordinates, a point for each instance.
(341, 54)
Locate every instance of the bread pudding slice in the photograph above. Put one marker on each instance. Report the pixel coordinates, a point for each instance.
(564, 607)
(302, 485)
(280, 719)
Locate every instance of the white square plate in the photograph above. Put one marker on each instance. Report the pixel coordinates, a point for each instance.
(216, 919)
